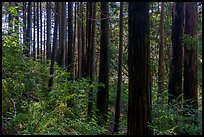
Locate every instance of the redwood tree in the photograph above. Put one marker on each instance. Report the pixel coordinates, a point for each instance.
(91, 52)
(48, 31)
(41, 35)
(53, 47)
(79, 40)
(161, 51)
(190, 56)
(38, 35)
(102, 95)
(62, 33)
(28, 31)
(175, 78)
(34, 19)
(139, 112)
(70, 67)
(117, 107)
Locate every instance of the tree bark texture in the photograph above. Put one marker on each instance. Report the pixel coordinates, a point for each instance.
(139, 112)
(79, 42)
(62, 34)
(175, 78)
(41, 35)
(34, 19)
(161, 51)
(29, 31)
(38, 35)
(117, 107)
(91, 52)
(102, 95)
(53, 47)
(190, 56)
(70, 67)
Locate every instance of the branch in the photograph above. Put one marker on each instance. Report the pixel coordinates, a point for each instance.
(31, 97)
(14, 107)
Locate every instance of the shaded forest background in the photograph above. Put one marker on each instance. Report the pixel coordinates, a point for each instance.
(65, 68)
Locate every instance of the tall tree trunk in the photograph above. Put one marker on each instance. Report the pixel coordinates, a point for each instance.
(88, 34)
(29, 31)
(117, 107)
(62, 34)
(41, 35)
(66, 37)
(65, 33)
(87, 29)
(34, 31)
(139, 112)
(38, 35)
(79, 43)
(71, 43)
(44, 43)
(88, 54)
(83, 40)
(161, 52)
(91, 53)
(102, 95)
(74, 41)
(53, 47)
(48, 30)
(175, 78)
(190, 57)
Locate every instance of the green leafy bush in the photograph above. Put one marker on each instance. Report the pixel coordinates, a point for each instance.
(63, 111)
(172, 119)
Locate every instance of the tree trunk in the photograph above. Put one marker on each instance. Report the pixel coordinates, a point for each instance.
(70, 67)
(48, 30)
(190, 57)
(88, 34)
(34, 30)
(44, 42)
(161, 52)
(66, 37)
(86, 56)
(38, 35)
(175, 79)
(41, 45)
(117, 106)
(102, 95)
(65, 33)
(91, 53)
(29, 31)
(139, 112)
(79, 43)
(83, 40)
(53, 47)
(62, 34)
(74, 42)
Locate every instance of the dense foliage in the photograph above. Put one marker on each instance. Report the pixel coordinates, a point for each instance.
(29, 109)
(23, 77)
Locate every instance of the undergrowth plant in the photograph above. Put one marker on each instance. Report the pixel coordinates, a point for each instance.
(63, 111)
(173, 119)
